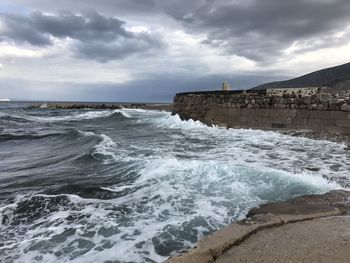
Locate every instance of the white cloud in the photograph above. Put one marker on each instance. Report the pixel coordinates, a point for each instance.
(10, 50)
(65, 69)
(309, 61)
(139, 29)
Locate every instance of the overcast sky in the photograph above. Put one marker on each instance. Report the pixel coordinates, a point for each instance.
(147, 50)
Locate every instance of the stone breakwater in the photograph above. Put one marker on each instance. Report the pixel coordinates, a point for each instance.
(104, 106)
(317, 111)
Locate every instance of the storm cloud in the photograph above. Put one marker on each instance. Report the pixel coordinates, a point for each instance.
(94, 36)
(261, 30)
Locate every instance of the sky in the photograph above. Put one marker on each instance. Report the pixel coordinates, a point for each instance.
(148, 50)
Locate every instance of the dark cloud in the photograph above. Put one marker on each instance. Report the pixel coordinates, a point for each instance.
(261, 29)
(95, 36)
(22, 29)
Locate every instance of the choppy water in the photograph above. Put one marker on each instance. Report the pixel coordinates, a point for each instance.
(138, 186)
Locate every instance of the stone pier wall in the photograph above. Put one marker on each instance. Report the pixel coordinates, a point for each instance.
(320, 111)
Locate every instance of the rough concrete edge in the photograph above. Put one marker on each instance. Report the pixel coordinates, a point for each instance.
(222, 241)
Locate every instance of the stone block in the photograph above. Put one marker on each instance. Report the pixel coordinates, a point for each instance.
(291, 126)
(289, 120)
(338, 115)
(243, 119)
(302, 114)
(322, 107)
(319, 114)
(280, 125)
(263, 112)
(312, 107)
(328, 123)
(343, 123)
(345, 107)
(301, 122)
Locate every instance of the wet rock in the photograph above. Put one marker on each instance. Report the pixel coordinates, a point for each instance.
(307, 204)
(313, 169)
(345, 107)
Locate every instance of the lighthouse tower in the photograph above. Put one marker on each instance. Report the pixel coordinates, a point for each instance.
(225, 86)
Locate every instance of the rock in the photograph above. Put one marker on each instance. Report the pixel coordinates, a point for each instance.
(345, 107)
(313, 169)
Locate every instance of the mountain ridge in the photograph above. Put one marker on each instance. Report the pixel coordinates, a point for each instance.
(330, 77)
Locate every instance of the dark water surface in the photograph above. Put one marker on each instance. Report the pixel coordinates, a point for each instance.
(138, 186)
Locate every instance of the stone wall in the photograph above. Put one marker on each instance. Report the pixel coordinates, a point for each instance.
(307, 91)
(257, 109)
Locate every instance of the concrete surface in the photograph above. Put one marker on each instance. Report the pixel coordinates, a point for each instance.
(318, 240)
(298, 230)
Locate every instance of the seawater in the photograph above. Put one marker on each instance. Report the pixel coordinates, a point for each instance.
(139, 186)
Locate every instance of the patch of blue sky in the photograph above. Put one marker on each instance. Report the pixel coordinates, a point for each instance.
(12, 8)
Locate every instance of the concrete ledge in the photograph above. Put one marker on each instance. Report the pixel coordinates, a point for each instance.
(267, 216)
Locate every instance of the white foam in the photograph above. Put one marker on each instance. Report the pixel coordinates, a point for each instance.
(86, 133)
(124, 113)
(76, 116)
(106, 147)
(168, 192)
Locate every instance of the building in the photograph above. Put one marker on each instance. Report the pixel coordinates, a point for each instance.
(225, 86)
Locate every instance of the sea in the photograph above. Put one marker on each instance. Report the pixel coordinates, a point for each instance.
(135, 185)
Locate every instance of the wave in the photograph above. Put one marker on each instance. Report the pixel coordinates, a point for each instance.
(72, 117)
(106, 148)
(13, 118)
(88, 192)
(13, 136)
(75, 117)
(66, 135)
(109, 151)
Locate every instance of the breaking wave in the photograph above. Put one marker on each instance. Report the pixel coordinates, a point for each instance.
(74, 116)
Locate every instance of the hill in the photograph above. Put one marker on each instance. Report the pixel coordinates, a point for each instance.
(331, 77)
